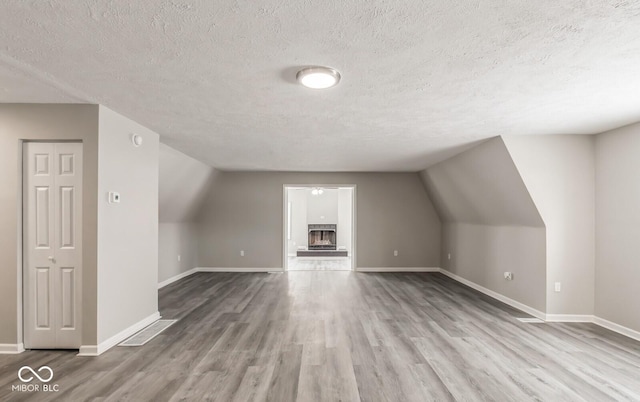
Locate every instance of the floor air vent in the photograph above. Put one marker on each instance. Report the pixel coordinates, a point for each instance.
(148, 333)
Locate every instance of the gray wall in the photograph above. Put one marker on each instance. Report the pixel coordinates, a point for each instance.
(176, 239)
(244, 211)
(490, 223)
(44, 122)
(128, 231)
(183, 185)
(482, 253)
(559, 172)
(617, 285)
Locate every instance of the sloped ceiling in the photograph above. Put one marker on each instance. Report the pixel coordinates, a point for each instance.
(183, 185)
(422, 80)
(481, 186)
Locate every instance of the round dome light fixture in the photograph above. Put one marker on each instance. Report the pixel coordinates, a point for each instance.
(318, 77)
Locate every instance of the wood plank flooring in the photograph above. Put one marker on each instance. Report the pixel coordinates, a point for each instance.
(343, 336)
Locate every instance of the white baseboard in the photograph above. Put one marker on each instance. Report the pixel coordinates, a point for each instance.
(398, 269)
(177, 278)
(96, 350)
(612, 326)
(631, 333)
(11, 348)
(236, 269)
(496, 295)
(569, 318)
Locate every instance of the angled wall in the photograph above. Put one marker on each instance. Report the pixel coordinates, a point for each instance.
(559, 173)
(490, 223)
(617, 285)
(183, 184)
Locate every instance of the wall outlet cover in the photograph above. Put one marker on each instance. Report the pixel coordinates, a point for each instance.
(114, 197)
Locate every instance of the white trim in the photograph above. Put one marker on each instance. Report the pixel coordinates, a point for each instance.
(237, 269)
(177, 278)
(612, 326)
(569, 318)
(398, 269)
(354, 226)
(495, 295)
(11, 348)
(631, 333)
(88, 350)
(95, 350)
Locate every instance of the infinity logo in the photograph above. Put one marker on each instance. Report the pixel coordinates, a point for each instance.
(28, 379)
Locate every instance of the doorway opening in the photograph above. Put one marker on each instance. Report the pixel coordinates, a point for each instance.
(319, 228)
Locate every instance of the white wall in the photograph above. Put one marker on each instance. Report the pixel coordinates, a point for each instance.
(183, 184)
(128, 231)
(299, 238)
(617, 284)
(333, 206)
(322, 208)
(559, 172)
(345, 215)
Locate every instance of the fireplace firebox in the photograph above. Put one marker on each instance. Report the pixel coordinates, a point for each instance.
(322, 237)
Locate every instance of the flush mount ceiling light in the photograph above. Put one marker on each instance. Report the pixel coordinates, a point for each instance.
(318, 77)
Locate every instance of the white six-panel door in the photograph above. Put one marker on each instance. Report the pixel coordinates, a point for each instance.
(52, 223)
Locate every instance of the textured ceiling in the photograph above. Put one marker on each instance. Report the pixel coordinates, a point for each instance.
(421, 79)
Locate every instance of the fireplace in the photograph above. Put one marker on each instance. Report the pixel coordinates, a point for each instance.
(322, 237)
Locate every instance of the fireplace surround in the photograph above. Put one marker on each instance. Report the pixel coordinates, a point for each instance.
(322, 237)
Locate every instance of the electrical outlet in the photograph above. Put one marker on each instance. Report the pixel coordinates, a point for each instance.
(558, 286)
(449, 256)
(241, 253)
(508, 276)
(178, 257)
(395, 253)
(114, 198)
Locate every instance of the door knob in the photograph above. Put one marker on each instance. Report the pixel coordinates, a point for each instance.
(51, 259)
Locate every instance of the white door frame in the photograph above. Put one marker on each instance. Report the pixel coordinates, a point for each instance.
(285, 220)
(21, 243)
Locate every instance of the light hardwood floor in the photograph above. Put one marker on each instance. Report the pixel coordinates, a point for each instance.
(343, 336)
